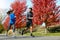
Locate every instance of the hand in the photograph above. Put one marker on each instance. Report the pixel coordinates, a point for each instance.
(30, 17)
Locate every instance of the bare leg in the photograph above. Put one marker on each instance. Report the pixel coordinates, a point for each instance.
(31, 29)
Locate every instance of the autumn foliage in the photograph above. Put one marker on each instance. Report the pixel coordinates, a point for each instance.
(19, 7)
(6, 22)
(45, 11)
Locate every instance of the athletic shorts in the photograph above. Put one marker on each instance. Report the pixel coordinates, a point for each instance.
(29, 24)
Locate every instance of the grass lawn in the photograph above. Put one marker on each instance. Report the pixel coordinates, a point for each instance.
(43, 34)
(37, 33)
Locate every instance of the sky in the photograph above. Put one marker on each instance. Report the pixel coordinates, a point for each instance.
(58, 2)
(5, 4)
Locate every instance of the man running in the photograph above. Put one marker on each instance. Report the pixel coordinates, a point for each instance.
(29, 22)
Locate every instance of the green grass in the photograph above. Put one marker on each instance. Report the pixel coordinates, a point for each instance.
(43, 34)
(39, 34)
(53, 34)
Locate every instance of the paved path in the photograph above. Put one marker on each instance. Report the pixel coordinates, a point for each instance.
(30, 38)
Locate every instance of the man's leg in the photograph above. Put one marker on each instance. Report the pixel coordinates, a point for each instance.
(27, 27)
(24, 30)
(31, 30)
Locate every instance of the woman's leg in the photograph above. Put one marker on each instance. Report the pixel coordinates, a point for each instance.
(13, 26)
(8, 28)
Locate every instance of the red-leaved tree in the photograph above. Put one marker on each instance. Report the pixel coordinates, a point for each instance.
(45, 11)
(19, 7)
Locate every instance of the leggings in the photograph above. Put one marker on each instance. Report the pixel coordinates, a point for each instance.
(13, 26)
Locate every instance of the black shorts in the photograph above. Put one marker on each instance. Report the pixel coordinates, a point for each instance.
(29, 24)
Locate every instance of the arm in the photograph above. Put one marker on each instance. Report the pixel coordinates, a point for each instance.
(30, 17)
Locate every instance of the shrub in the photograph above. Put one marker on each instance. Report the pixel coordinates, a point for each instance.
(54, 29)
(1, 28)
